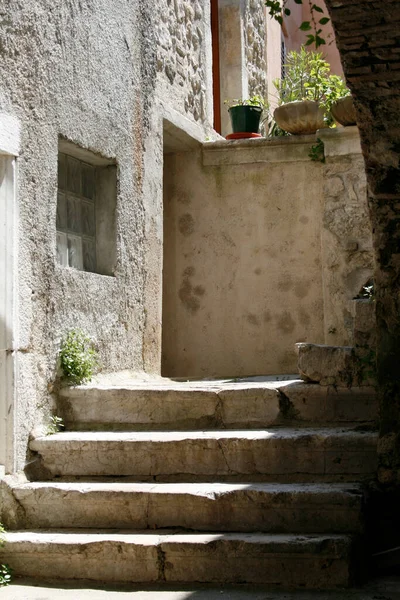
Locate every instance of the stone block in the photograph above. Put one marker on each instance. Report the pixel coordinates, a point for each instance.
(310, 403)
(330, 365)
(364, 323)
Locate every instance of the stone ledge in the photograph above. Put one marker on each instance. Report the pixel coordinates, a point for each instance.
(340, 141)
(235, 152)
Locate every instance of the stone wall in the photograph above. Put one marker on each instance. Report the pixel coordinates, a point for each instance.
(255, 47)
(367, 39)
(347, 254)
(257, 254)
(104, 76)
(183, 53)
(242, 52)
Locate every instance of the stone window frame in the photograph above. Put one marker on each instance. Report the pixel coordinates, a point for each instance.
(97, 192)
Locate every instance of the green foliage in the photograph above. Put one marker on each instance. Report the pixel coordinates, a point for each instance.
(78, 357)
(278, 10)
(274, 130)
(55, 425)
(317, 151)
(252, 101)
(5, 570)
(335, 89)
(307, 77)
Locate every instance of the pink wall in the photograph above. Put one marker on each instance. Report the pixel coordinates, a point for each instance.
(294, 38)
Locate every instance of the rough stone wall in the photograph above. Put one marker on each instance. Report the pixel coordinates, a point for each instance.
(350, 246)
(73, 70)
(182, 56)
(95, 74)
(347, 255)
(367, 35)
(255, 51)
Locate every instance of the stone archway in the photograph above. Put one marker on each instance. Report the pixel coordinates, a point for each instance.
(367, 35)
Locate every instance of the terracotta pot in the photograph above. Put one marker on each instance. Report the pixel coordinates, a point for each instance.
(343, 111)
(300, 118)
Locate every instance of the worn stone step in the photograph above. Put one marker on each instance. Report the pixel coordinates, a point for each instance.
(214, 404)
(172, 405)
(309, 561)
(311, 403)
(273, 508)
(332, 454)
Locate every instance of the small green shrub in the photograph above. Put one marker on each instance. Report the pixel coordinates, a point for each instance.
(78, 357)
(5, 570)
(317, 152)
(253, 101)
(55, 425)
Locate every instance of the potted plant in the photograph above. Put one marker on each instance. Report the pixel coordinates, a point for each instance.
(339, 101)
(303, 93)
(245, 115)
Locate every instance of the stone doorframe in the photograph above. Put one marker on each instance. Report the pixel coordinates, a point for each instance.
(9, 150)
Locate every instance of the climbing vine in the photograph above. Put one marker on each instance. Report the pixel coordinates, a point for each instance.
(278, 10)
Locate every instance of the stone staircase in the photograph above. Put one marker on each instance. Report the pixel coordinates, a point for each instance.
(249, 481)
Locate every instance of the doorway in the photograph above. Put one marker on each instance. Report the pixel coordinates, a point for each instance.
(8, 228)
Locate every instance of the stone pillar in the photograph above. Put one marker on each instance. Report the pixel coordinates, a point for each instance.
(346, 238)
(234, 79)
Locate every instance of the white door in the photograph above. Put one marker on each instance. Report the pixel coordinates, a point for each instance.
(7, 301)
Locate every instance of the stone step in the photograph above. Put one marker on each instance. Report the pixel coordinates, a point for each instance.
(309, 561)
(339, 366)
(259, 455)
(272, 508)
(218, 405)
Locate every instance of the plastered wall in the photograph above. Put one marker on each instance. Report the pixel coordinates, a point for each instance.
(103, 75)
(256, 253)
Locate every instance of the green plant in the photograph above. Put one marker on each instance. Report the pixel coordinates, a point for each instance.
(55, 425)
(307, 77)
(274, 130)
(5, 570)
(317, 151)
(367, 291)
(252, 101)
(78, 357)
(335, 89)
(278, 10)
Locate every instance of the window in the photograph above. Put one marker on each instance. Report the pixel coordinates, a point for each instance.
(283, 57)
(86, 202)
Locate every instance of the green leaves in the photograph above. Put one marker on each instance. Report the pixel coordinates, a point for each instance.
(308, 77)
(55, 425)
(5, 570)
(5, 575)
(78, 357)
(278, 11)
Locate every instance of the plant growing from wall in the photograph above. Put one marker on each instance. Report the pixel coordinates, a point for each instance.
(5, 570)
(317, 152)
(55, 425)
(78, 357)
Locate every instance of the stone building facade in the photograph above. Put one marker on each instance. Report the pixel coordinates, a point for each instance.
(97, 102)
